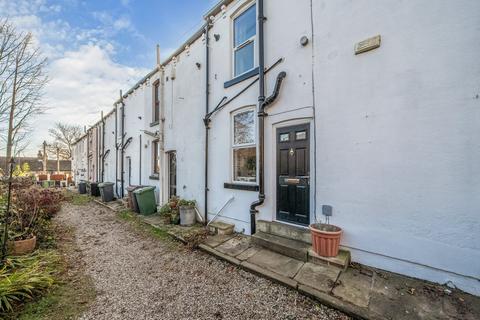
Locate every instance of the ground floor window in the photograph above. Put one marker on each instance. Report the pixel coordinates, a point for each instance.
(243, 146)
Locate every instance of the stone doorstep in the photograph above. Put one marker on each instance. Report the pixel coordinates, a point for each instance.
(221, 228)
(288, 247)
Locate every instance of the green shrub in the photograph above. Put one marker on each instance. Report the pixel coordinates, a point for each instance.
(23, 278)
(186, 203)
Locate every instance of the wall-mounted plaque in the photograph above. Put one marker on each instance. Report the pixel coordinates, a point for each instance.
(368, 44)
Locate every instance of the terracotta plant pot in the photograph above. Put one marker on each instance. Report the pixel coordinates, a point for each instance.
(325, 239)
(21, 247)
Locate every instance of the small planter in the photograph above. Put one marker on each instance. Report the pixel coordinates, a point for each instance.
(21, 247)
(325, 239)
(187, 215)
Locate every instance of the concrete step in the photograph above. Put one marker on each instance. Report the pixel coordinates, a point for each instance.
(288, 247)
(295, 242)
(221, 228)
(285, 230)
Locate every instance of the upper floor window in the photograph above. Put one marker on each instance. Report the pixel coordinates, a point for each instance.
(244, 150)
(156, 102)
(244, 31)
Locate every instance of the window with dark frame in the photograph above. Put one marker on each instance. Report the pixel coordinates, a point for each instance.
(244, 32)
(156, 101)
(155, 164)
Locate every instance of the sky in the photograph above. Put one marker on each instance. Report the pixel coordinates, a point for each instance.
(96, 48)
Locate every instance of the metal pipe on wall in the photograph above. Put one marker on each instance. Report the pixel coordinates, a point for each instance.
(207, 120)
(140, 160)
(103, 148)
(122, 138)
(116, 150)
(261, 117)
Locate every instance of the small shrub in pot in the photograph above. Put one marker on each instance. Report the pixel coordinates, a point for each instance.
(187, 212)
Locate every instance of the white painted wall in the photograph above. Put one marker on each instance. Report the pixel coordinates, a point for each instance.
(184, 102)
(109, 175)
(79, 161)
(138, 117)
(393, 130)
(397, 134)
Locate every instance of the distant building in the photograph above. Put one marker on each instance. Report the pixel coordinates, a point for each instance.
(36, 165)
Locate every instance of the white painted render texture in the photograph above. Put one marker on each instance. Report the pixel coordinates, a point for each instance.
(394, 145)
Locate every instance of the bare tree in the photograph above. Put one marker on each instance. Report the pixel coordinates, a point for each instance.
(23, 79)
(64, 135)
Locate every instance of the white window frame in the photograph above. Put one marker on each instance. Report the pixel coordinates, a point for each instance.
(246, 42)
(234, 146)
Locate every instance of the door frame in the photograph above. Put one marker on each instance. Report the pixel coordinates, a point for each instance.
(289, 123)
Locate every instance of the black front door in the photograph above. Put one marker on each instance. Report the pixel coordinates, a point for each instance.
(293, 174)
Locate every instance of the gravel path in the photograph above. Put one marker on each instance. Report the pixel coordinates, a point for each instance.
(139, 277)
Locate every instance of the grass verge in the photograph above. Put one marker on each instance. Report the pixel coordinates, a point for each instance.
(76, 198)
(142, 227)
(73, 289)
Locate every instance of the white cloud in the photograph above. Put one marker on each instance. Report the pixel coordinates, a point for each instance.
(83, 83)
(84, 78)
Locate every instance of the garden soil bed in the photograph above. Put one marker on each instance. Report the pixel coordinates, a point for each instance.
(138, 276)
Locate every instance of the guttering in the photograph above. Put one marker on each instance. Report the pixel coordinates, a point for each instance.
(262, 105)
(207, 120)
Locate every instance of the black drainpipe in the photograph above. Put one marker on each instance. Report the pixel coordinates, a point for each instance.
(103, 148)
(116, 150)
(207, 120)
(262, 104)
(122, 144)
(261, 117)
(140, 161)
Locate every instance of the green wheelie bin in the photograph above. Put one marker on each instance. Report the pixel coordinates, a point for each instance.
(146, 200)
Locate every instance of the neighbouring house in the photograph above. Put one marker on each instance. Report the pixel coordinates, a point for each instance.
(370, 108)
(36, 165)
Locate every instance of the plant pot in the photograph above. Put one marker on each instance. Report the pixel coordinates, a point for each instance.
(187, 215)
(21, 247)
(325, 239)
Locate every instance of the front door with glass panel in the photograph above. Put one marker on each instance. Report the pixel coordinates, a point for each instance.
(293, 174)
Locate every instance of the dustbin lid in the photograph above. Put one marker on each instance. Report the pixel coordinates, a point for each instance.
(132, 188)
(144, 189)
(105, 184)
